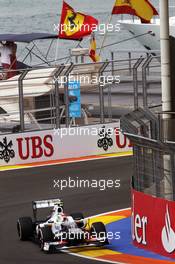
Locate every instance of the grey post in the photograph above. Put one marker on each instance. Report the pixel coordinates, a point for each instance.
(21, 99)
(135, 81)
(57, 100)
(66, 92)
(130, 62)
(144, 80)
(101, 94)
(112, 63)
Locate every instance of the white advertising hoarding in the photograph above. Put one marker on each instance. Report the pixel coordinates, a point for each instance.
(65, 143)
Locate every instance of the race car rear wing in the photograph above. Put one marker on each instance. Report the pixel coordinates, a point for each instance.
(45, 204)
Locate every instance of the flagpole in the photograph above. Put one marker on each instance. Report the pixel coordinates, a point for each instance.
(105, 35)
(167, 95)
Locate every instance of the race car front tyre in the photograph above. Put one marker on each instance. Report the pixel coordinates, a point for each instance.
(25, 228)
(98, 231)
(77, 216)
(46, 235)
(79, 219)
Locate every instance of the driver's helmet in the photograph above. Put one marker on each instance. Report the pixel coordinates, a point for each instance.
(57, 213)
(57, 209)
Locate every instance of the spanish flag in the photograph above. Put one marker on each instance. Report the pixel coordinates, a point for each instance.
(141, 8)
(92, 51)
(75, 25)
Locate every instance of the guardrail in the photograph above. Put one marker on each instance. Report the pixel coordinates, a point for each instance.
(38, 97)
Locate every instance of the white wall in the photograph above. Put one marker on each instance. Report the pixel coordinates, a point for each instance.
(50, 145)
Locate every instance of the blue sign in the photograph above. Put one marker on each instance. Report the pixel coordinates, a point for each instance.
(74, 99)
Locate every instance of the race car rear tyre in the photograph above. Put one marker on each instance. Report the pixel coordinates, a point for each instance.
(98, 230)
(25, 228)
(46, 235)
(77, 216)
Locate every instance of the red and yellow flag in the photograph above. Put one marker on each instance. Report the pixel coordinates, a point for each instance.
(75, 25)
(92, 51)
(141, 8)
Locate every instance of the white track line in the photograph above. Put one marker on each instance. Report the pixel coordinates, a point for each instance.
(23, 166)
(96, 259)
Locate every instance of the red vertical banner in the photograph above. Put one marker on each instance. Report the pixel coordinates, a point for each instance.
(153, 223)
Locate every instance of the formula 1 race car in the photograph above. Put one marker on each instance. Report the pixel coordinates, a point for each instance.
(60, 231)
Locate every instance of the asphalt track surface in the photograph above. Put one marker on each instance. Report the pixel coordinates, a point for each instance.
(19, 187)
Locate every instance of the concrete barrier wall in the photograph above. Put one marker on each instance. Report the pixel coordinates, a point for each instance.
(50, 145)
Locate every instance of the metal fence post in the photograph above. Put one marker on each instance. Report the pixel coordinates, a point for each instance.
(82, 59)
(21, 99)
(160, 128)
(144, 80)
(112, 63)
(148, 71)
(101, 94)
(57, 100)
(130, 62)
(76, 59)
(66, 93)
(109, 104)
(135, 81)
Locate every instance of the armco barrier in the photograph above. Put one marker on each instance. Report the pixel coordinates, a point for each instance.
(153, 223)
(50, 145)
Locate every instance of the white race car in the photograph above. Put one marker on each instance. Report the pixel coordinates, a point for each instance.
(60, 231)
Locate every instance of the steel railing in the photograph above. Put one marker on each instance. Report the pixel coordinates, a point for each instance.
(54, 112)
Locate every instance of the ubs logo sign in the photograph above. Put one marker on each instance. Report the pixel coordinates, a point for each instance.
(6, 151)
(121, 140)
(168, 234)
(26, 148)
(105, 141)
(35, 147)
